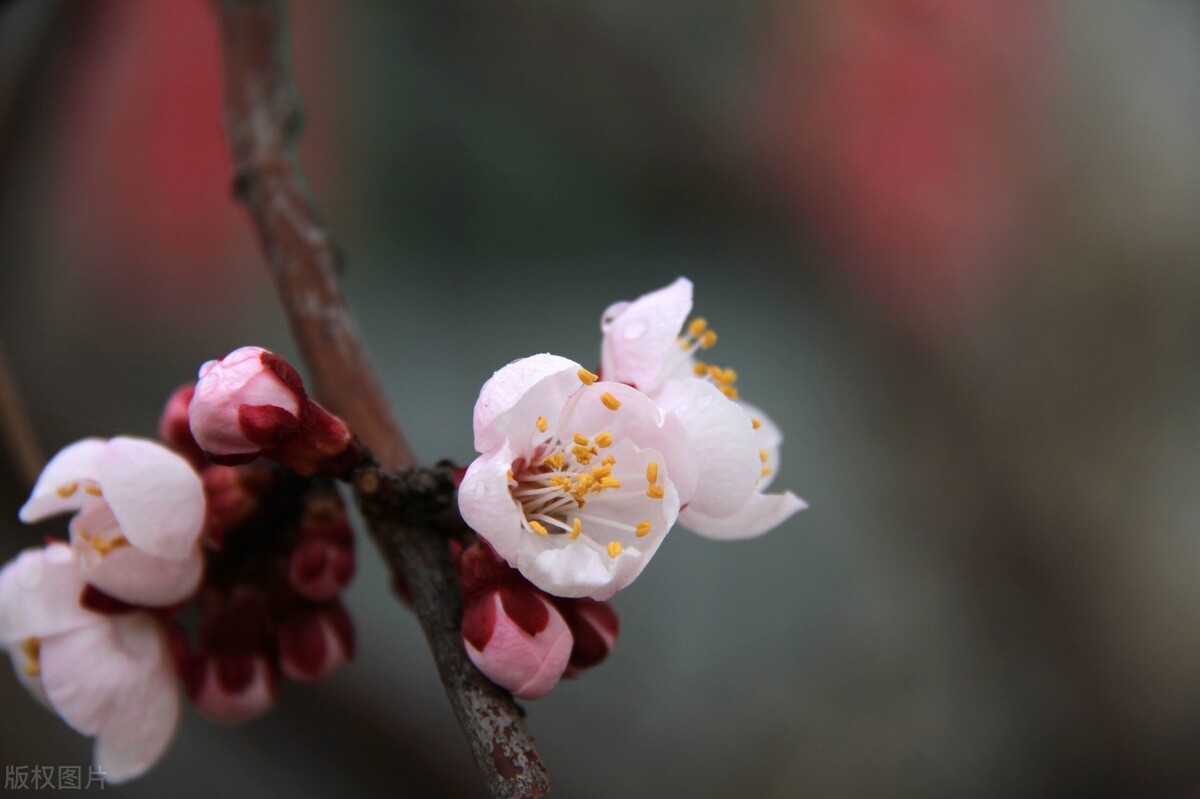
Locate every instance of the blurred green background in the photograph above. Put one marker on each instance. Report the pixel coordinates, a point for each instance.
(951, 248)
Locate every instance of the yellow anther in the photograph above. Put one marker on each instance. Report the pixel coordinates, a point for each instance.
(554, 461)
(698, 326)
(31, 648)
(67, 490)
(101, 545)
(510, 475)
(655, 492)
(730, 392)
(93, 490)
(700, 369)
(542, 424)
(643, 528)
(600, 472)
(604, 440)
(762, 455)
(683, 343)
(583, 454)
(581, 439)
(584, 483)
(576, 529)
(756, 423)
(538, 528)
(610, 482)
(614, 548)
(609, 460)
(652, 473)
(586, 377)
(731, 376)
(766, 470)
(715, 372)
(610, 402)
(708, 339)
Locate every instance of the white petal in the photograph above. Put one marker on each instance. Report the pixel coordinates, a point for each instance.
(72, 466)
(156, 496)
(722, 437)
(131, 575)
(760, 514)
(768, 438)
(639, 337)
(39, 595)
(546, 380)
(487, 505)
(115, 681)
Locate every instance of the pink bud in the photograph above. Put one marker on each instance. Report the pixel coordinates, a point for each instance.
(314, 643)
(518, 639)
(595, 628)
(319, 569)
(244, 379)
(232, 687)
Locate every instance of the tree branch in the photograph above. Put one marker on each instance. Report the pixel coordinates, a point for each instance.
(17, 429)
(263, 119)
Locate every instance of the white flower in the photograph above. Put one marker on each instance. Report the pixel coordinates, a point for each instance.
(107, 676)
(139, 510)
(646, 345)
(579, 480)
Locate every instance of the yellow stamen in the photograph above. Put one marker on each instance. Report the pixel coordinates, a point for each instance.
(586, 377)
(614, 548)
(93, 490)
(600, 472)
(698, 326)
(700, 369)
(715, 372)
(643, 528)
(766, 470)
(762, 455)
(610, 402)
(604, 440)
(756, 422)
(708, 339)
(652, 473)
(576, 529)
(538, 528)
(31, 648)
(730, 392)
(655, 492)
(67, 490)
(610, 482)
(580, 439)
(583, 454)
(542, 424)
(101, 545)
(609, 460)
(554, 461)
(730, 376)
(510, 475)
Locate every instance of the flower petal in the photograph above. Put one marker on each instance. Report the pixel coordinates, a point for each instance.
(767, 439)
(761, 513)
(156, 496)
(722, 437)
(539, 385)
(115, 681)
(487, 504)
(39, 595)
(126, 572)
(638, 336)
(57, 489)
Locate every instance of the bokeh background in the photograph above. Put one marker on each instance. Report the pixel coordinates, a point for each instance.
(951, 247)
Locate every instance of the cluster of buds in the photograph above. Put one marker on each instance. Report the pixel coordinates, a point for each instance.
(522, 638)
(237, 519)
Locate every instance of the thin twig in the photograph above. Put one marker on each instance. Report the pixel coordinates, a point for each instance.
(263, 120)
(18, 430)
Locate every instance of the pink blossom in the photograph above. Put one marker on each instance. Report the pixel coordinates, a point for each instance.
(579, 480)
(737, 446)
(241, 378)
(108, 676)
(139, 511)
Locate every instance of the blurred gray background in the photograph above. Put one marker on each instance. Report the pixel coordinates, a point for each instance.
(950, 247)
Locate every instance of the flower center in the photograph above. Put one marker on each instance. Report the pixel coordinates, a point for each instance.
(554, 485)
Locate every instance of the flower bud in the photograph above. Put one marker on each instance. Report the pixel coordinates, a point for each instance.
(252, 403)
(315, 642)
(231, 687)
(518, 639)
(594, 626)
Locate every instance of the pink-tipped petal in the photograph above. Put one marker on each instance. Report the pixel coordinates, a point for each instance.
(133, 576)
(156, 496)
(761, 513)
(539, 384)
(59, 488)
(527, 665)
(639, 336)
(115, 681)
(39, 595)
(722, 436)
(250, 693)
(240, 378)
